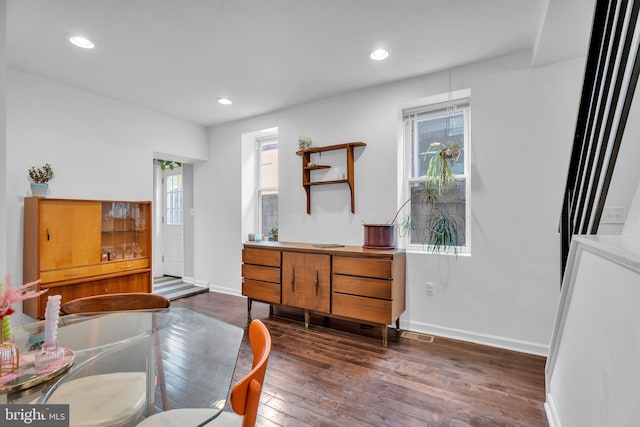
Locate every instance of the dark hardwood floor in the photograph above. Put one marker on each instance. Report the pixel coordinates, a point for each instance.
(338, 373)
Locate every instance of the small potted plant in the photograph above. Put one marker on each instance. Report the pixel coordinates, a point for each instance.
(274, 233)
(40, 178)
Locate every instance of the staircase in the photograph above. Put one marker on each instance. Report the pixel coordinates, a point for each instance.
(174, 288)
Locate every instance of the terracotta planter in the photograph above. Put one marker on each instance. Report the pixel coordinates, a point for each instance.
(379, 236)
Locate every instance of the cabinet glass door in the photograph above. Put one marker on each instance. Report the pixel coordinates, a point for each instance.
(125, 231)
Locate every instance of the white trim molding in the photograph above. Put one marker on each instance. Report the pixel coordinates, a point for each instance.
(477, 338)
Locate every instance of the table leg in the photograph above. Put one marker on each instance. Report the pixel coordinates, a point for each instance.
(307, 318)
(384, 335)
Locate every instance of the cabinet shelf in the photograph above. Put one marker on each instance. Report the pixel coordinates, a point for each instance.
(307, 183)
(312, 168)
(337, 181)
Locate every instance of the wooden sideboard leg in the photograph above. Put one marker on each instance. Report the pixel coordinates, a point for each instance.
(384, 335)
(307, 318)
(249, 301)
(398, 324)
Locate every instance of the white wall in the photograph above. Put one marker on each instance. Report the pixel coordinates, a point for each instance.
(99, 148)
(3, 140)
(626, 172)
(523, 120)
(592, 373)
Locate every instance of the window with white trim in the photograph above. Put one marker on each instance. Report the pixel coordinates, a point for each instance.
(429, 126)
(174, 199)
(267, 188)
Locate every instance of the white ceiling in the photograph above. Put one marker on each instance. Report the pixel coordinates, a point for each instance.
(178, 56)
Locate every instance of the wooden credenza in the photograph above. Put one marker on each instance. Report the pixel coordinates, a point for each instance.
(79, 248)
(349, 282)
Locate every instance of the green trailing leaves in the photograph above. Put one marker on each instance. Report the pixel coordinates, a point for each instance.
(164, 164)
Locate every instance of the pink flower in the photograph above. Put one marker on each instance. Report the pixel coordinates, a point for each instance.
(10, 295)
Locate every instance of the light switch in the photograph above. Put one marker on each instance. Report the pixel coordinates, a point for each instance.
(613, 215)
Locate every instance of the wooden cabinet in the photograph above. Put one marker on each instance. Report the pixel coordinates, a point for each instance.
(347, 281)
(261, 275)
(79, 248)
(306, 281)
(308, 166)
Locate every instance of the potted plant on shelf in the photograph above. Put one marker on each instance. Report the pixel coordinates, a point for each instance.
(274, 233)
(40, 178)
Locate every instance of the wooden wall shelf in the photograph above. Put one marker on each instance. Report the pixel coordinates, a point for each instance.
(306, 170)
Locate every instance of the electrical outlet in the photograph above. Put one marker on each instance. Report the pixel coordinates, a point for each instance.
(430, 286)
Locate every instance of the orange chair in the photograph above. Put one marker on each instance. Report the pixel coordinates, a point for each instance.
(245, 395)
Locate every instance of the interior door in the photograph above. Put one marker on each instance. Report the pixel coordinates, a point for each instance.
(173, 239)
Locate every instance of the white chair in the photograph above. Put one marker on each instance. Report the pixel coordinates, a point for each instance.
(112, 399)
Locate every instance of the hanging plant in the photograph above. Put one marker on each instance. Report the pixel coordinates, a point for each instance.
(440, 173)
(167, 164)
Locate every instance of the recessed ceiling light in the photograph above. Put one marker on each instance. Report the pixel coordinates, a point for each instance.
(379, 54)
(82, 42)
(224, 101)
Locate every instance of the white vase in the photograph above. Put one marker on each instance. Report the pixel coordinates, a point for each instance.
(39, 190)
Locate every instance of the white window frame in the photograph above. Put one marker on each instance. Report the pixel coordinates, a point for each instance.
(168, 176)
(261, 190)
(436, 102)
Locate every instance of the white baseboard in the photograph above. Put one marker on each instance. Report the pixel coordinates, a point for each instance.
(552, 413)
(202, 283)
(484, 339)
(189, 280)
(225, 290)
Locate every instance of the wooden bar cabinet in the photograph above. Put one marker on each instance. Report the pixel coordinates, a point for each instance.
(79, 248)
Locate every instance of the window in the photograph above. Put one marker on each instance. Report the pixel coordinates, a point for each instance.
(174, 199)
(431, 125)
(267, 188)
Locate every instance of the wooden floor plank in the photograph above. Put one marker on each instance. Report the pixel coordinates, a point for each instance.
(337, 373)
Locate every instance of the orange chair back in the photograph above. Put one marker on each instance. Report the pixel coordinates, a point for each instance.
(245, 395)
(115, 302)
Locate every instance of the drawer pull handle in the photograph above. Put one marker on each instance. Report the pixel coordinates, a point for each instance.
(48, 235)
(126, 266)
(317, 283)
(293, 279)
(71, 274)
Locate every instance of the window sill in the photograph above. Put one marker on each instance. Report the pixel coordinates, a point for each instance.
(414, 249)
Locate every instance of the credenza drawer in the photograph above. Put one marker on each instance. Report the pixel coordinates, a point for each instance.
(261, 257)
(261, 291)
(129, 264)
(261, 273)
(362, 286)
(362, 308)
(367, 267)
(69, 273)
